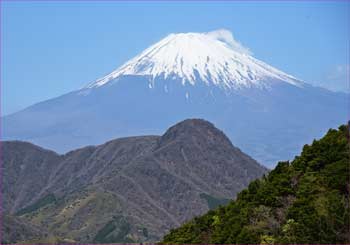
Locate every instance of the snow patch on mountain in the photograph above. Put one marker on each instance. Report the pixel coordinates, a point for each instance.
(214, 58)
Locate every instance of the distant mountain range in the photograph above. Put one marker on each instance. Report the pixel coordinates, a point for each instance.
(266, 112)
(131, 189)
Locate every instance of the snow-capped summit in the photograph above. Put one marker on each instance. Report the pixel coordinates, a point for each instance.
(213, 58)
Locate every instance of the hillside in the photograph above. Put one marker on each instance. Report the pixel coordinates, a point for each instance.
(15, 229)
(304, 201)
(131, 189)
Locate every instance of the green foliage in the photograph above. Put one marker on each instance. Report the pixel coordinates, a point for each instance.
(46, 200)
(104, 232)
(145, 232)
(266, 239)
(115, 231)
(305, 201)
(247, 235)
(213, 202)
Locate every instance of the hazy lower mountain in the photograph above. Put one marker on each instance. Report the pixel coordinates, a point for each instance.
(131, 189)
(305, 201)
(266, 112)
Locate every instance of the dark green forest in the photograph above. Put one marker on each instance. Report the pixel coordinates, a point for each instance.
(303, 201)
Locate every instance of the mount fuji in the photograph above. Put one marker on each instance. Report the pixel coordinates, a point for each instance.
(267, 113)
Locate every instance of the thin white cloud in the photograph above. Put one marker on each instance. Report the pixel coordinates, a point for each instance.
(337, 79)
(227, 37)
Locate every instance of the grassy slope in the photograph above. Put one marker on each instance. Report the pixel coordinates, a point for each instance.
(78, 217)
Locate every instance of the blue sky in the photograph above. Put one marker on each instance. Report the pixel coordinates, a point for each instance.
(50, 48)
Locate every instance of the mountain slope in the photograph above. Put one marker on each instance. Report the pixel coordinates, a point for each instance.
(16, 230)
(266, 112)
(305, 201)
(136, 188)
(26, 171)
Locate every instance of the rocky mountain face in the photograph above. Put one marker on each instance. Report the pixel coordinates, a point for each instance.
(131, 189)
(267, 113)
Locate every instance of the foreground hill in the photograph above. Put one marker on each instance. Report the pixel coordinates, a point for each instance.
(126, 190)
(305, 201)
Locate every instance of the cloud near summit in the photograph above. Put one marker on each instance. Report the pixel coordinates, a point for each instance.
(227, 37)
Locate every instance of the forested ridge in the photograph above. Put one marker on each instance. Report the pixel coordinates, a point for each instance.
(303, 201)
